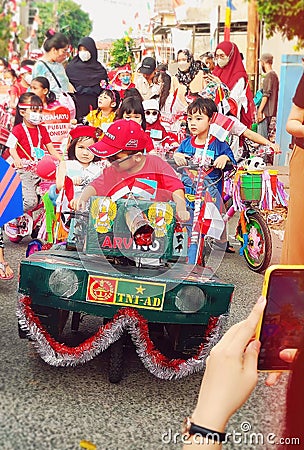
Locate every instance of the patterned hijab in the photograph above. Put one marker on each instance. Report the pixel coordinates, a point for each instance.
(186, 77)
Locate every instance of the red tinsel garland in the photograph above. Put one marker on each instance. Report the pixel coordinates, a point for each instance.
(59, 354)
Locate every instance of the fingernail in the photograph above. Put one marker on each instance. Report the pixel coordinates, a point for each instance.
(261, 299)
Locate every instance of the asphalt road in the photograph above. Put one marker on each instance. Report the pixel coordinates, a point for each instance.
(44, 407)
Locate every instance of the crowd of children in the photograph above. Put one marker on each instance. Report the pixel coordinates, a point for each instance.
(121, 103)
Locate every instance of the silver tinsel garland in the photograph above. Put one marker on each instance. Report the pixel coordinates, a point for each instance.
(56, 354)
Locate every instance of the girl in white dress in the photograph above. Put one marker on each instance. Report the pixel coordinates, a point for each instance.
(80, 168)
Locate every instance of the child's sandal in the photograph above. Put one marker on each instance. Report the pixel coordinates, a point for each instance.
(3, 267)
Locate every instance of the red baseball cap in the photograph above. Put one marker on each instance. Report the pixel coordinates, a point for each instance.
(121, 135)
(83, 130)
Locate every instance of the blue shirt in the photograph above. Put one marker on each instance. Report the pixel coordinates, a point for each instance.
(189, 177)
(40, 70)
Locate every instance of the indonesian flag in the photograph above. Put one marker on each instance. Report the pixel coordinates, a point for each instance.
(144, 188)
(220, 126)
(211, 221)
(120, 193)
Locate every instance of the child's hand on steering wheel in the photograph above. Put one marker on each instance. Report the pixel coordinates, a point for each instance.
(183, 215)
(180, 159)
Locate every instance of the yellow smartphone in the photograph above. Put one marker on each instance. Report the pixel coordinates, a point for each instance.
(282, 324)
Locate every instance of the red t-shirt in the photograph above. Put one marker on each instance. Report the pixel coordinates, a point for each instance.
(161, 134)
(19, 133)
(118, 86)
(111, 181)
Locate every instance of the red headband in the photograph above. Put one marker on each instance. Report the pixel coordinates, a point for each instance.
(28, 105)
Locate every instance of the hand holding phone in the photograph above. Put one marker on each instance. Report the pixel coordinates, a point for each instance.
(282, 324)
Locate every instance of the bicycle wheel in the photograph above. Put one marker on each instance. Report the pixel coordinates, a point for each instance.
(258, 252)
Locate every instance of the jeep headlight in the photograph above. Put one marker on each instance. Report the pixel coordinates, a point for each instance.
(190, 299)
(63, 282)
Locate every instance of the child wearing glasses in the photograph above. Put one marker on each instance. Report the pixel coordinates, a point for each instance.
(123, 144)
(108, 102)
(158, 134)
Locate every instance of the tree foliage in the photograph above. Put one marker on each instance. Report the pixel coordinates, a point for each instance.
(5, 32)
(121, 53)
(284, 16)
(68, 19)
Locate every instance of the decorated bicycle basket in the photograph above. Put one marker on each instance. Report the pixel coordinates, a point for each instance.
(261, 186)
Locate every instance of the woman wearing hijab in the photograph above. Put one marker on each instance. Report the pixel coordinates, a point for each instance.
(188, 81)
(85, 73)
(231, 71)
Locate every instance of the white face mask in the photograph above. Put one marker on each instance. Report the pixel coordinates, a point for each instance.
(15, 66)
(35, 118)
(28, 78)
(84, 55)
(151, 119)
(183, 66)
(223, 62)
(9, 82)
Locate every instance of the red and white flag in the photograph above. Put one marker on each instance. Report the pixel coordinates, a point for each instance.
(120, 193)
(144, 188)
(220, 126)
(211, 221)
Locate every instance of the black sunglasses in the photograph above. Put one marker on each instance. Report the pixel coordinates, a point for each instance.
(116, 161)
(148, 112)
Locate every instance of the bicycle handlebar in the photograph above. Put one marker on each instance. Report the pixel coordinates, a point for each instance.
(194, 166)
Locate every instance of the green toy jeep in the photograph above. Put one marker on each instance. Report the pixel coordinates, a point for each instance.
(128, 267)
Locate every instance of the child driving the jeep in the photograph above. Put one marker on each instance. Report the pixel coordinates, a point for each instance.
(123, 144)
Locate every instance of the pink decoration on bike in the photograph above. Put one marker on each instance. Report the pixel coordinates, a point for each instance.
(46, 167)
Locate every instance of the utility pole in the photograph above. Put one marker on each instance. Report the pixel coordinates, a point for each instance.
(56, 17)
(217, 40)
(253, 44)
(193, 38)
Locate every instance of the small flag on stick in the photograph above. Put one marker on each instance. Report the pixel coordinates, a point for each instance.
(220, 126)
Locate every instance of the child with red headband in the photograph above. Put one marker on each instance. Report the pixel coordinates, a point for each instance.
(28, 141)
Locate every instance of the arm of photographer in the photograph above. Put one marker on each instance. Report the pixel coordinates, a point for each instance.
(230, 377)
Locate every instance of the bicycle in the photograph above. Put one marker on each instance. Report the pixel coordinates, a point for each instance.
(252, 230)
(30, 223)
(203, 199)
